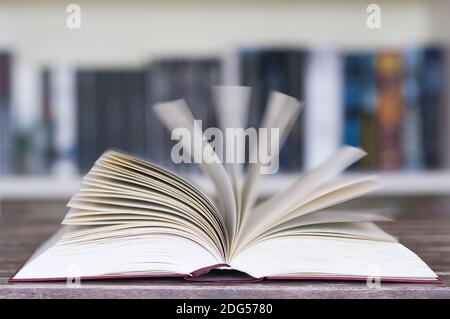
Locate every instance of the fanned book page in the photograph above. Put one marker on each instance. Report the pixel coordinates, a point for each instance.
(131, 218)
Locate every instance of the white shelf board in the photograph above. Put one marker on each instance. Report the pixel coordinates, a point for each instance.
(394, 184)
(38, 187)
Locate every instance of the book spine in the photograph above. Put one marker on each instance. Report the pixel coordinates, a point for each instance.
(248, 66)
(63, 103)
(250, 73)
(411, 125)
(133, 86)
(352, 100)
(279, 70)
(47, 121)
(351, 134)
(171, 79)
(367, 118)
(108, 124)
(213, 77)
(6, 161)
(204, 73)
(26, 114)
(296, 84)
(323, 111)
(230, 68)
(111, 113)
(389, 110)
(87, 114)
(112, 110)
(432, 106)
(275, 68)
(102, 118)
(157, 89)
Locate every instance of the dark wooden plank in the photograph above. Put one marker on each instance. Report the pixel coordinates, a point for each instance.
(182, 289)
(429, 238)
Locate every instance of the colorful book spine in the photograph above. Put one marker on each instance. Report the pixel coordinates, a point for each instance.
(389, 110)
(412, 152)
(352, 99)
(432, 79)
(355, 86)
(392, 104)
(367, 116)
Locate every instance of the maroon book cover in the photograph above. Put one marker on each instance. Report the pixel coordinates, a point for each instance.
(200, 275)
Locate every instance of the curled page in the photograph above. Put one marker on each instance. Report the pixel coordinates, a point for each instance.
(277, 206)
(232, 104)
(282, 111)
(176, 114)
(312, 179)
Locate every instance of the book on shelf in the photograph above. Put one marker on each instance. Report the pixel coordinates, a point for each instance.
(46, 128)
(394, 107)
(87, 114)
(432, 80)
(6, 145)
(40, 119)
(359, 105)
(131, 218)
(323, 114)
(282, 70)
(54, 120)
(389, 111)
(133, 86)
(367, 116)
(411, 128)
(110, 112)
(62, 94)
(175, 78)
(30, 119)
(351, 134)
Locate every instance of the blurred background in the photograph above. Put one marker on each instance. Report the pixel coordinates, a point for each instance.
(70, 91)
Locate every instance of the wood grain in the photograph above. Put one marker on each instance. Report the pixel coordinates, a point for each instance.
(429, 238)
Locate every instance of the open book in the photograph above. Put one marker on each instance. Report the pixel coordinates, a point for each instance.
(131, 218)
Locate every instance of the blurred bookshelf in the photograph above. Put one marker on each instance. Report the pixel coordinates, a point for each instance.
(80, 92)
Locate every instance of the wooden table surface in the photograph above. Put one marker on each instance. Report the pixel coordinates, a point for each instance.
(428, 237)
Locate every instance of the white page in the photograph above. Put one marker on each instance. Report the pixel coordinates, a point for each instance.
(323, 202)
(333, 198)
(155, 254)
(352, 230)
(274, 208)
(176, 115)
(319, 256)
(328, 216)
(232, 105)
(282, 111)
